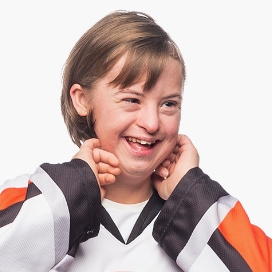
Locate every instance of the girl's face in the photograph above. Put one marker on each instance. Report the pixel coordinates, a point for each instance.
(139, 127)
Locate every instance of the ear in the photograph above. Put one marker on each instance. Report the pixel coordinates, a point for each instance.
(79, 99)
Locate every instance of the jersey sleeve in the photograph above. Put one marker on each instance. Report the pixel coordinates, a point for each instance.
(44, 216)
(203, 228)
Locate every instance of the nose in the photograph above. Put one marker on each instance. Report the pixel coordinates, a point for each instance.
(148, 119)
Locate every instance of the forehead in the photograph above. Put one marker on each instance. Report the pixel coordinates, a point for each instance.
(171, 69)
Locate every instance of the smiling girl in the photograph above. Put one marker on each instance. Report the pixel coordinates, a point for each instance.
(133, 198)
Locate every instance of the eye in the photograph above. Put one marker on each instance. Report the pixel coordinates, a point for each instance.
(170, 104)
(132, 100)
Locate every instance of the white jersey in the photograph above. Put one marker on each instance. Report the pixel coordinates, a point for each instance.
(105, 253)
(53, 220)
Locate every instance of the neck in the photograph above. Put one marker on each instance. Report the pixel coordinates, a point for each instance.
(129, 192)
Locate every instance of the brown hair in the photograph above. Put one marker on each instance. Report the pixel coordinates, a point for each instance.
(146, 45)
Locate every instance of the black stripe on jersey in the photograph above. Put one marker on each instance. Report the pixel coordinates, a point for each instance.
(227, 253)
(185, 207)
(80, 188)
(109, 224)
(9, 214)
(32, 190)
(149, 212)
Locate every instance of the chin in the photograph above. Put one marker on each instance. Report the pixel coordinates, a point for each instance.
(140, 171)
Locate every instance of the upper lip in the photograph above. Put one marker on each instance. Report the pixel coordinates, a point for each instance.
(141, 140)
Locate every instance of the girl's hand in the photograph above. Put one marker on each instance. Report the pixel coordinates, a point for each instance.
(104, 164)
(183, 158)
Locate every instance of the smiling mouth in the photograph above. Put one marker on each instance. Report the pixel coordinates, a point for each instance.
(141, 142)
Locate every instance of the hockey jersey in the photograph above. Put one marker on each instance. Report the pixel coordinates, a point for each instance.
(53, 220)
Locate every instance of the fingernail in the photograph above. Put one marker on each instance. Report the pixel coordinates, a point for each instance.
(164, 173)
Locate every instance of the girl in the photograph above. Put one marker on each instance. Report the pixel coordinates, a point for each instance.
(133, 198)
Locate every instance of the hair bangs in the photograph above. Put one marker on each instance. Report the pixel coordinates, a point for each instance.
(146, 66)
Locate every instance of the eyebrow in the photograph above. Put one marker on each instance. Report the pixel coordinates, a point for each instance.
(129, 91)
(175, 95)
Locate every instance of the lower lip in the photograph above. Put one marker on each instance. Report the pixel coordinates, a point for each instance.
(140, 150)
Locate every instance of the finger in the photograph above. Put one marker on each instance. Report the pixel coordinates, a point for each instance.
(101, 155)
(104, 168)
(162, 172)
(176, 149)
(183, 140)
(92, 143)
(173, 157)
(166, 163)
(86, 149)
(172, 167)
(106, 178)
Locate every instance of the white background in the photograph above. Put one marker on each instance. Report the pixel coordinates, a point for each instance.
(227, 108)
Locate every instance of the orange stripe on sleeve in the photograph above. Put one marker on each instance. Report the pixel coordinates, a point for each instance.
(249, 240)
(12, 196)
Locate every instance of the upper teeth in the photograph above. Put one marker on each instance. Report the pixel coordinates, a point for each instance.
(140, 141)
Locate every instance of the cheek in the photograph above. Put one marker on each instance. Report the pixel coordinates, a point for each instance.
(100, 115)
(172, 126)
(108, 129)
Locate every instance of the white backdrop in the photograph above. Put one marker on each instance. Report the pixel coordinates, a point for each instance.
(227, 108)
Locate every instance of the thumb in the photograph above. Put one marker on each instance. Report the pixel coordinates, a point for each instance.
(159, 184)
